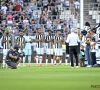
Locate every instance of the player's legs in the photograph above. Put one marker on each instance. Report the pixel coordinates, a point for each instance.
(37, 56)
(29, 56)
(56, 56)
(60, 55)
(4, 56)
(51, 53)
(40, 56)
(24, 58)
(48, 54)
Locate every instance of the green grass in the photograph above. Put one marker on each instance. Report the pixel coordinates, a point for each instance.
(58, 77)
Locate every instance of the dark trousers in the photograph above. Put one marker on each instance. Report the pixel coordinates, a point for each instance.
(12, 64)
(93, 57)
(73, 51)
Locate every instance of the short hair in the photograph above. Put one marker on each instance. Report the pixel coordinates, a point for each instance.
(50, 31)
(58, 30)
(73, 30)
(93, 30)
(16, 47)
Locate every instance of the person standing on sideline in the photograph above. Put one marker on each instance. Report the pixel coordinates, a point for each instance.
(70, 22)
(27, 49)
(6, 41)
(94, 41)
(39, 38)
(49, 49)
(58, 41)
(73, 41)
(20, 41)
(88, 51)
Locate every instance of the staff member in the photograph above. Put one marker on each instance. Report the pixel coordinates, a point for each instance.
(39, 38)
(12, 60)
(94, 42)
(73, 41)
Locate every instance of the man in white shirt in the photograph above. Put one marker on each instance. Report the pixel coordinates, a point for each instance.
(73, 41)
(36, 15)
(67, 4)
(25, 22)
(4, 8)
(77, 4)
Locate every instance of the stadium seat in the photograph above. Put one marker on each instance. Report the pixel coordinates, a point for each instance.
(97, 21)
(90, 12)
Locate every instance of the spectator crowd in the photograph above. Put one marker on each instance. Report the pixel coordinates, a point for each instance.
(22, 15)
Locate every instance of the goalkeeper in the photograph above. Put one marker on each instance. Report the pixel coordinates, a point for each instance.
(13, 57)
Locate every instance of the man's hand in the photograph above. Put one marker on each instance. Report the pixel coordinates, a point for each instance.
(16, 57)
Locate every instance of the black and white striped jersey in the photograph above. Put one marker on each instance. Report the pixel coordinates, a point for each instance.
(6, 41)
(49, 41)
(40, 44)
(59, 44)
(20, 41)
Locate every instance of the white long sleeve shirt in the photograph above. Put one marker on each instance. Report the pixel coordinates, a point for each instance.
(73, 39)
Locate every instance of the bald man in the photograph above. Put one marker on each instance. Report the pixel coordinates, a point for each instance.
(73, 41)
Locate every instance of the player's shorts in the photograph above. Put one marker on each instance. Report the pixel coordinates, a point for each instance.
(40, 51)
(28, 51)
(58, 52)
(5, 53)
(45, 47)
(49, 51)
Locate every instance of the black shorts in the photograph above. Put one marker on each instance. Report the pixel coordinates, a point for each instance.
(12, 64)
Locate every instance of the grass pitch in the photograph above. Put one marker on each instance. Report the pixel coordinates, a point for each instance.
(58, 77)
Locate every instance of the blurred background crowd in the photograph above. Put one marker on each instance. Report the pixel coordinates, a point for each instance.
(22, 15)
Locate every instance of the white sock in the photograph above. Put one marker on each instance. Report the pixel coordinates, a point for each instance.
(3, 63)
(46, 61)
(29, 59)
(24, 58)
(60, 61)
(4, 60)
(54, 61)
(18, 64)
(51, 61)
(37, 59)
(66, 61)
(40, 59)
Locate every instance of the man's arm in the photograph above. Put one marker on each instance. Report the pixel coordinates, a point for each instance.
(14, 57)
(3, 41)
(37, 40)
(78, 40)
(67, 41)
(96, 40)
